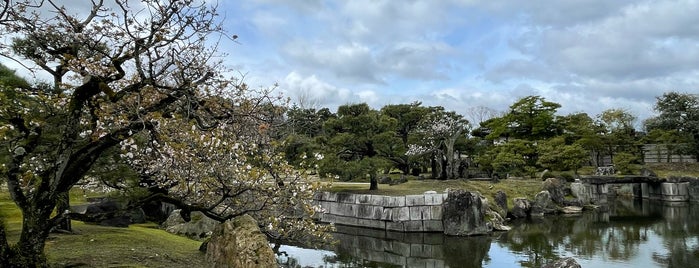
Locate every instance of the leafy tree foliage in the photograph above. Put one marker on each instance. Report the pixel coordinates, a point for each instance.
(678, 118)
(530, 118)
(555, 154)
(507, 158)
(356, 139)
(408, 118)
(581, 129)
(619, 134)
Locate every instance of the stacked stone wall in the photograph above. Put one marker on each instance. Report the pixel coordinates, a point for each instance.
(410, 213)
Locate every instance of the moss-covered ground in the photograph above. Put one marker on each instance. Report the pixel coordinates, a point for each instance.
(140, 245)
(512, 187)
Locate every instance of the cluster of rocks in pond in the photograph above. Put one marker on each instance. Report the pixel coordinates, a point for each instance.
(551, 200)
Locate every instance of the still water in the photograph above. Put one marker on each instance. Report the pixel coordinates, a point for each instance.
(632, 233)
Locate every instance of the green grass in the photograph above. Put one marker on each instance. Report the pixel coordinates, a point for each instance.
(666, 170)
(141, 245)
(512, 187)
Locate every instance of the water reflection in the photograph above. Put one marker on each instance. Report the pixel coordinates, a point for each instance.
(631, 233)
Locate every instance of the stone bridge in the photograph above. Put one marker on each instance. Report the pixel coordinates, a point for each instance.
(596, 189)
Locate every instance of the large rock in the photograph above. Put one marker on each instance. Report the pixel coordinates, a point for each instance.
(464, 214)
(501, 201)
(571, 210)
(568, 262)
(497, 221)
(543, 204)
(521, 207)
(556, 189)
(646, 172)
(107, 212)
(199, 227)
(239, 243)
(385, 180)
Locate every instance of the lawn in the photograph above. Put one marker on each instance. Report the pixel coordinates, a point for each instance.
(512, 187)
(140, 245)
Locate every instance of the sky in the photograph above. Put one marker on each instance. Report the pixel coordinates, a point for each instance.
(588, 56)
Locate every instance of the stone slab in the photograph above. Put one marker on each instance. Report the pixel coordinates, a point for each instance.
(401, 214)
(363, 199)
(379, 200)
(395, 201)
(434, 199)
(436, 213)
(376, 224)
(416, 213)
(433, 226)
(369, 212)
(415, 200)
(346, 198)
(395, 226)
(414, 226)
(387, 214)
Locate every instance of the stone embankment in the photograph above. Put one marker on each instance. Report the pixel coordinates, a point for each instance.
(456, 213)
(596, 189)
(410, 213)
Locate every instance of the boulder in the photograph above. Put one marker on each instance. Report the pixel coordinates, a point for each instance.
(646, 172)
(543, 204)
(464, 214)
(521, 207)
(556, 189)
(400, 180)
(501, 201)
(568, 262)
(385, 180)
(497, 221)
(571, 210)
(239, 243)
(107, 212)
(199, 227)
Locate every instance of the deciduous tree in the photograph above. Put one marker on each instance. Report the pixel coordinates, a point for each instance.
(124, 69)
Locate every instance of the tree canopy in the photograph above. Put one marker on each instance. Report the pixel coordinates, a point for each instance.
(141, 77)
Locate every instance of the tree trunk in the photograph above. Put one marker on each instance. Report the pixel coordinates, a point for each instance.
(29, 251)
(433, 165)
(373, 182)
(443, 173)
(63, 206)
(4, 246)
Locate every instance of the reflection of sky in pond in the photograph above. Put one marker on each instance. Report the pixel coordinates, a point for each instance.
(644, 257)
(306, 257)
(502, 257)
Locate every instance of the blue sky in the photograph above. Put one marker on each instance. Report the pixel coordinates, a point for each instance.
(587, 55)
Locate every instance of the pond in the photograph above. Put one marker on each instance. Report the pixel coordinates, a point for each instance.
(631, 233)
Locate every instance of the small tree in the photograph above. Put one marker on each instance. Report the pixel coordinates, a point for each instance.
(555, 154)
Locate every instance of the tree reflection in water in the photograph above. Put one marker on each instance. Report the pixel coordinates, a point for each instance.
(632, 233)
